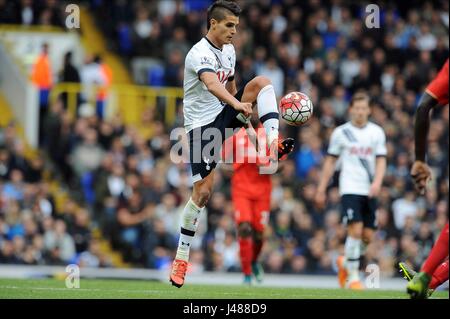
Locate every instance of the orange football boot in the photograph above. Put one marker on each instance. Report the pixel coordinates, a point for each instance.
(356, 285)
(280, 149)
(342, 272)
(178, 272)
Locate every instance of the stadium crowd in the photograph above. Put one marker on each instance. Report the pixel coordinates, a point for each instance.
(134, 192)
(33, 231)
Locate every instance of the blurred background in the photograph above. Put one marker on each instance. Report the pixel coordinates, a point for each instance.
(90, 93)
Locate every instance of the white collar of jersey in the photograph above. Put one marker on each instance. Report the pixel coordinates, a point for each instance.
(212, 44)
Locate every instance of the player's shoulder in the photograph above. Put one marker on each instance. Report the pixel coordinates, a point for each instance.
(229, 49)
(375, 127)
(200, 49)
(340, 128)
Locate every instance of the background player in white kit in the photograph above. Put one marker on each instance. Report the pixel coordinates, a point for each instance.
(362, 147)
(212, 104)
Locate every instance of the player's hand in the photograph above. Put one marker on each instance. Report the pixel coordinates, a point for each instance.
(320, 199)
(244, 107)
(374, 190)
(421, 174)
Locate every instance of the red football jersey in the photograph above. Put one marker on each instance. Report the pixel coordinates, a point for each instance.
(438, 88)
(246, 180)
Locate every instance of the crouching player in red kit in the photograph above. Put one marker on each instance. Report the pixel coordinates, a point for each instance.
(434, 270)
(251, 193)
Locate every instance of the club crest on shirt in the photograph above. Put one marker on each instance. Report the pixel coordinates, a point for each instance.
(206, 60)
(231, 62)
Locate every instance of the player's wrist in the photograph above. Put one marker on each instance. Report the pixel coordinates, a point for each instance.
(376, 185)
(236, 104)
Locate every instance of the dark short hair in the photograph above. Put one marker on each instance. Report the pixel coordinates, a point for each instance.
(360, 96)
(218, 11)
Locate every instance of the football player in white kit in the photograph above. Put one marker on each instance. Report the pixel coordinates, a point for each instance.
(361, 146)
(213, 104)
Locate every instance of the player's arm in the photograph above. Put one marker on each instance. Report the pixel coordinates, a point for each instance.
(327, 172)
(214, 86)
(334, 150)
(380, 170)
(422, 124)
(380, 164)
(420, 171)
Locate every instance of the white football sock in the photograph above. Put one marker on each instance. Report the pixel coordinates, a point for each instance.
(268, 112)
(189, 222)
(352, 254)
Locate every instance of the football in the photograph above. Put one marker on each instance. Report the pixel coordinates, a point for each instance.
(296, 108)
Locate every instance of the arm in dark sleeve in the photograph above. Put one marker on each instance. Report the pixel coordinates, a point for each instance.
(422, 125)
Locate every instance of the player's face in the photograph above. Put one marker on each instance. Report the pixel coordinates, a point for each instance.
(360, 112)
(225, 29)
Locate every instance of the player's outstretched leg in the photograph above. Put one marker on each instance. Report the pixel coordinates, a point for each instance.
(440, 276)
(417, 288)
(438, 254)
(261, 91)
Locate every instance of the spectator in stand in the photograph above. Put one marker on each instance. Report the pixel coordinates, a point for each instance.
(69, 74)
(42, 78)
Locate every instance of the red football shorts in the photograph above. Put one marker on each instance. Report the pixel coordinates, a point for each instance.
(255, 212)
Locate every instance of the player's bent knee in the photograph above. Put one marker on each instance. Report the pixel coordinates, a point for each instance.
(262, 81)
(244, 230)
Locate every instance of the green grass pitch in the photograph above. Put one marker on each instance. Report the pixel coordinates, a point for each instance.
(141, 289)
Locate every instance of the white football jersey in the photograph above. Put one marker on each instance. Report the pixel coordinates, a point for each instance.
(357, 149)
(201, 107)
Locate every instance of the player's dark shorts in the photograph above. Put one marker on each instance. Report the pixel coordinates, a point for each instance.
(205, 152)
(359, 208)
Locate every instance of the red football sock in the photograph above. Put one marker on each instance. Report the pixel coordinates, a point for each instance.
(246, 252)
(257, 246)
(440, 275)
(438, 253)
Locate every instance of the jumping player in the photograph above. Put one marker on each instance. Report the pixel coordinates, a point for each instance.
(211, 105)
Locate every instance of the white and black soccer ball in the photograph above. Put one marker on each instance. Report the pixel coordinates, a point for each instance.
(296, 108)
